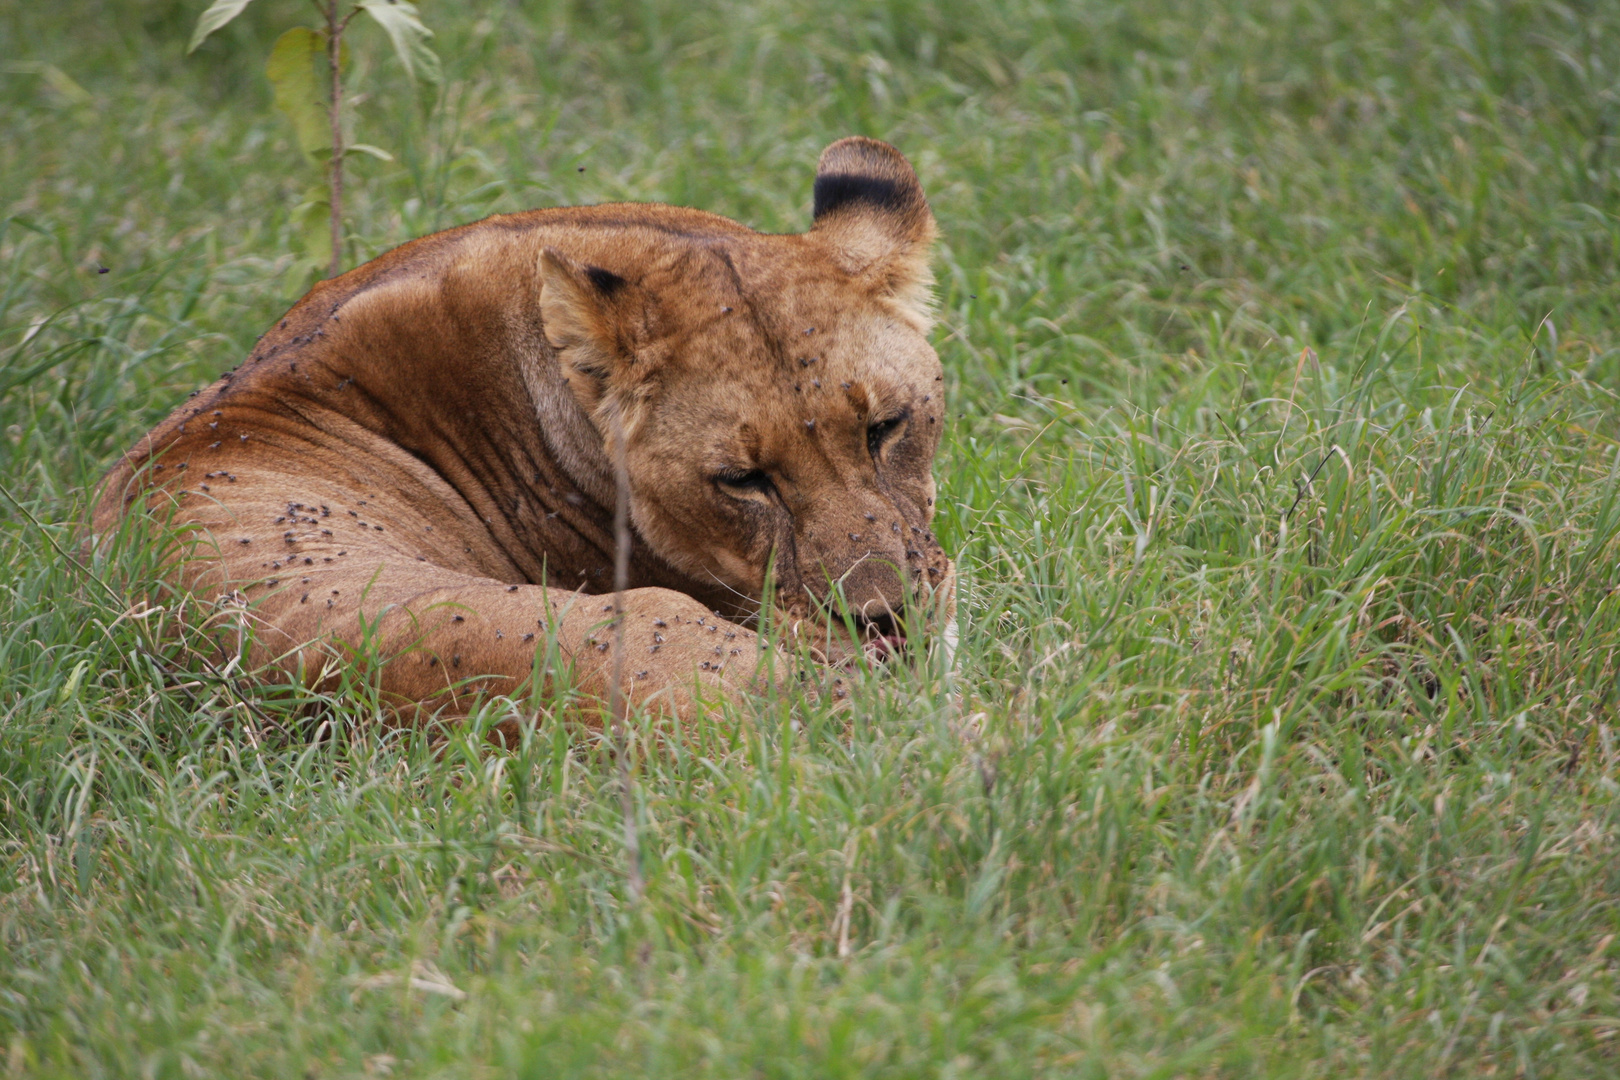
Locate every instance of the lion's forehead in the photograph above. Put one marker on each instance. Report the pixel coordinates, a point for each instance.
(783, 356)
(778, 343)
(809, 396)
(777, 286)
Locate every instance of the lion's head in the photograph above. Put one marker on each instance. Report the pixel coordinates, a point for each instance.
(780, 403)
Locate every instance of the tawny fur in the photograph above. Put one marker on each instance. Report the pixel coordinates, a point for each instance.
(411, 467)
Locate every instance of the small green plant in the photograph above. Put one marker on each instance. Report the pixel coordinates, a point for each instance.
(303, 60)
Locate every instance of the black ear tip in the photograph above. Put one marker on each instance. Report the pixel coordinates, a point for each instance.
(602, 280)
(836, 190)
(866, 171)
(606, 281)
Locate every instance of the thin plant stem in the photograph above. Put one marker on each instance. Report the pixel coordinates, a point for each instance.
(334, 49)
(618, 705)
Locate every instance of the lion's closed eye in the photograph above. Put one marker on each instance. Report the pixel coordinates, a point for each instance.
(743, 483)
(881, 433)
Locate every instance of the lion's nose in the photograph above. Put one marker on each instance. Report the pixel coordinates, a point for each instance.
(873, 590)
(881, 625)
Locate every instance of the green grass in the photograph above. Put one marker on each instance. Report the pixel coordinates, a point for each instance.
(1281, 340)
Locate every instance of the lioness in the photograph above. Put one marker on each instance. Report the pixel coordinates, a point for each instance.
(414, 464)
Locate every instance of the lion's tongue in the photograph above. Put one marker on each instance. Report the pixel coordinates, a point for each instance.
(881, 648)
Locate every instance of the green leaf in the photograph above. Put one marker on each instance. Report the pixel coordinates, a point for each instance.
(297, 86)
(218, 14)
(301, 273)
(405, 29)
(366, 148)
(312, 221)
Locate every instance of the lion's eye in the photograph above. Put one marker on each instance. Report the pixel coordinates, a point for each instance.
(880, 433)
(751, 481)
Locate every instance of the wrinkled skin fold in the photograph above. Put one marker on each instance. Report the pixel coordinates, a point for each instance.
(412, 467)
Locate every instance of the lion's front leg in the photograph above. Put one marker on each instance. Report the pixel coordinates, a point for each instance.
(677, 653)
(435, 641)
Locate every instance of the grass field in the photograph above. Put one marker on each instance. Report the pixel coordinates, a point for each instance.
(1283, 471)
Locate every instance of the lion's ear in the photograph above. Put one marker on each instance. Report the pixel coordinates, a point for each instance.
(870, 209)
(595, 320)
